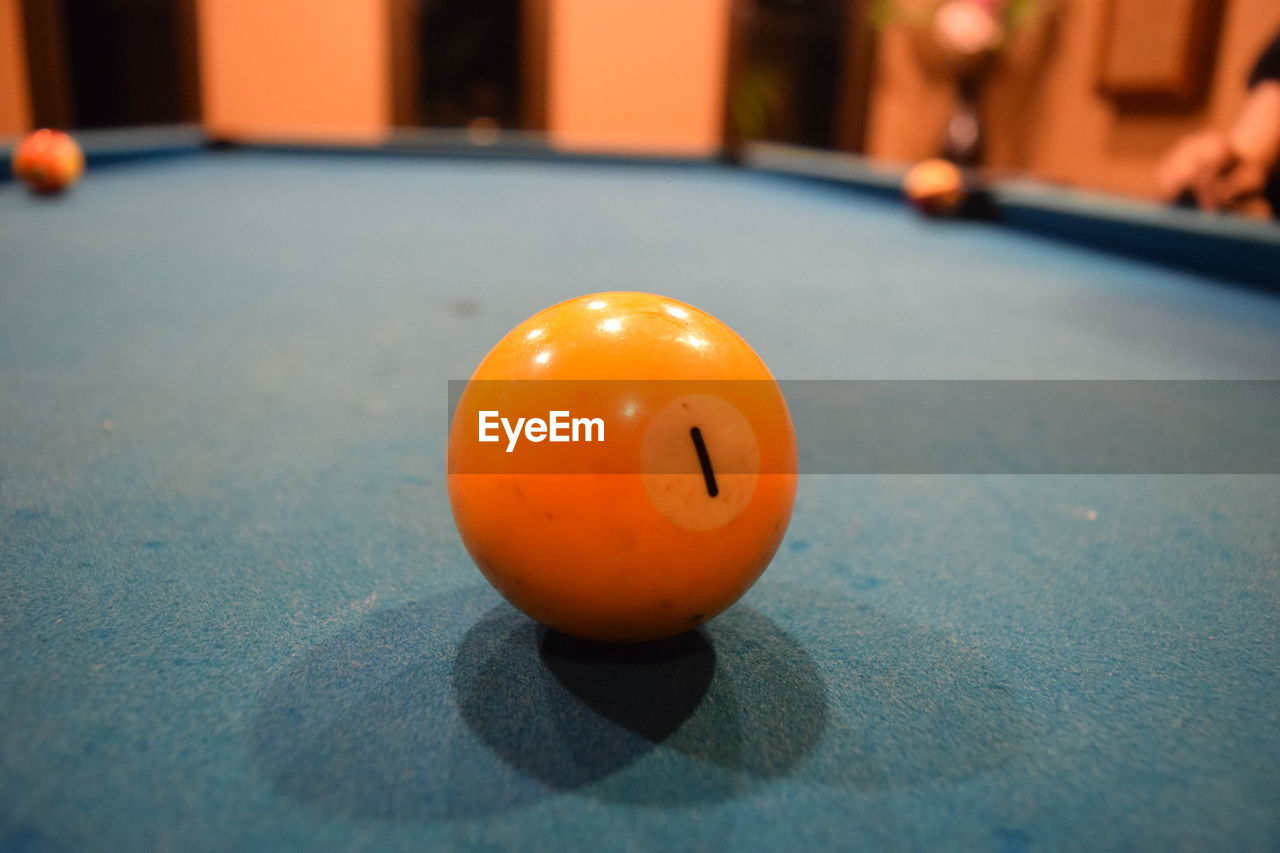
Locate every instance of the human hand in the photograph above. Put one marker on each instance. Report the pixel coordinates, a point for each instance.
(1207, 166)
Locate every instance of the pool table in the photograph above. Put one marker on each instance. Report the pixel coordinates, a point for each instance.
(235, 613)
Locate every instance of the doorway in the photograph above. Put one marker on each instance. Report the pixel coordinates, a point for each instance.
(112, 63)
(458, 63)
(799, 72)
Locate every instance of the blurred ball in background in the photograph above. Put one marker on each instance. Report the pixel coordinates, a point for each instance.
(48, 161)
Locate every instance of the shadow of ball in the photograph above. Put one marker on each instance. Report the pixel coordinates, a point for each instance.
(700, 717)
(581, 711)
(459, 707)
(363, 724)
(648, 689)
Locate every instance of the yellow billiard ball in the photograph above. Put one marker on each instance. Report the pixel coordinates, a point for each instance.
(48, 161)
(935, 187)
(664, 522)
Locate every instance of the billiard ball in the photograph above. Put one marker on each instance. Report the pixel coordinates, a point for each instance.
(664, 522)
(48, 161)
(935, 187)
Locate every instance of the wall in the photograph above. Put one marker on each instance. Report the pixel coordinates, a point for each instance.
(1044, 114)
(647, 76)
(633, 75)
(637, 75)
(629, 75)
(295, 69)
(15, 109)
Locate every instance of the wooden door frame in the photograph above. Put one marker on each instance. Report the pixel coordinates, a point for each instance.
(403, 18)
(853, 88)
(48, 65)
(732, 143)
(190, 93)
(535, 66)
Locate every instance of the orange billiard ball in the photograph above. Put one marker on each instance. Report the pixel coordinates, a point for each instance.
(935, 187)
(48, 161)
(666, 519)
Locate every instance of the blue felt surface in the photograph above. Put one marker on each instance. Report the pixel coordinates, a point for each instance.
(234, 613)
